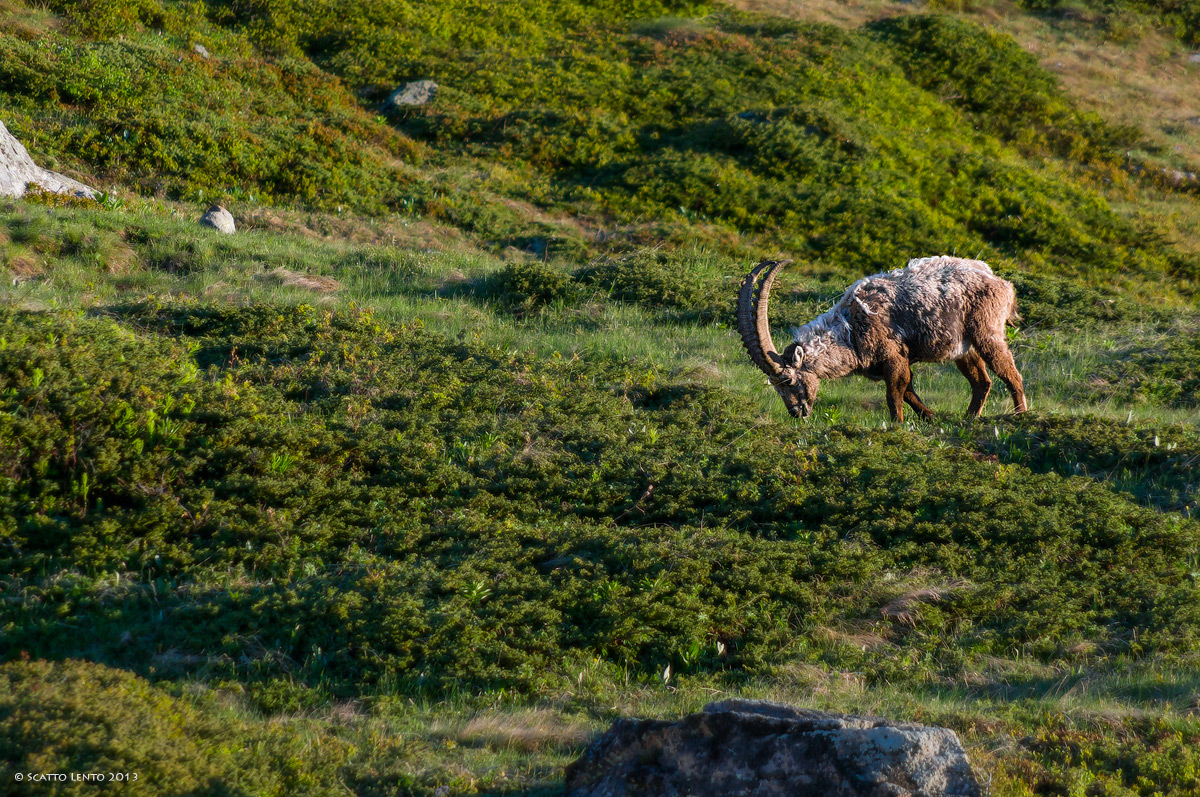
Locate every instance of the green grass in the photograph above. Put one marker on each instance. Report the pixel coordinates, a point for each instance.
(1092, 731)
(427, 474)
(846, 147)
(320, 506)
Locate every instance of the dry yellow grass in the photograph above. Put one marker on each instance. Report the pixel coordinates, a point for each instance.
(535, 729)
(903, 608)
(27, 21)
(23, 264)
(308, 282)
(1148, 82)
(1175, 216)
(850, 14)
(396, 231)
(122, 259)
(861, 640)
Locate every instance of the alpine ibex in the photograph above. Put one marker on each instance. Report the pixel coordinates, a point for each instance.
(933, 310)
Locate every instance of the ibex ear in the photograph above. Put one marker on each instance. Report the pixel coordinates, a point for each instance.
(797, 357)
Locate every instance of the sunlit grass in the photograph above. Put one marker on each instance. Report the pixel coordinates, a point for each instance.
(443, 289)
(498, 741)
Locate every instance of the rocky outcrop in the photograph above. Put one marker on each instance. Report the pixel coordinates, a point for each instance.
(418, 92)
(1163, 174)
(18, 172)
(750, 748)
(220, 219)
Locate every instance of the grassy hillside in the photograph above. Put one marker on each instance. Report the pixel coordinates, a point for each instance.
(443, 460)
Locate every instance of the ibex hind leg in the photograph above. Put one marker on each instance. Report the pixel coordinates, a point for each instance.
(995, 353)
(973, 369)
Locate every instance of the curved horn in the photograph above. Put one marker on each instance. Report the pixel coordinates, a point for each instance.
(752, 318)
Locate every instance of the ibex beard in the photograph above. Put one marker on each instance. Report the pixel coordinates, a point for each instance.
(933, 310)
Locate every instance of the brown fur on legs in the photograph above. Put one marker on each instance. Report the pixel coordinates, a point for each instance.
(997, 356)
(981, 384)
(914, 401)
(899, 392)
(897, 386)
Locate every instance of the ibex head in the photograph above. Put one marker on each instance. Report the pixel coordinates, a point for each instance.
(795, 385)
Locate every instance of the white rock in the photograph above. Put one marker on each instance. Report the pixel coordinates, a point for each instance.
(18, 172)
(219, 219)
(418, 92)
(200, 50)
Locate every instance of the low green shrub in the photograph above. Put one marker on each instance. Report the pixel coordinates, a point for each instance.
(983, 71)
(999, 84)
(291, 496)
(1047, 302)
(1182, 17)
(661, 280)
(137, 113)
(1156, 464)
(842, 147)
(1163, 371)
(525, 285)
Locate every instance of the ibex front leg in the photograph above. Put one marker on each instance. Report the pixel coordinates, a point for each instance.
(914, 401)
(897, 379)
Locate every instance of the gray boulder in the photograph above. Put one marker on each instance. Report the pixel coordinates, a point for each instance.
(220, 219)
(418, 92)
(751, 748)
(18, 172)
(200, 50)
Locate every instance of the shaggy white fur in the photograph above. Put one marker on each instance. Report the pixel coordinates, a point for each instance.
(933, 292)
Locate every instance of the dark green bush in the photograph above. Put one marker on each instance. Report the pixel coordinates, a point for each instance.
(983, 71)
(524, 285)
(139, 114)
(664, 281)
(101, 19)
(1157, 465)
(1166, 372)
(1182, 17)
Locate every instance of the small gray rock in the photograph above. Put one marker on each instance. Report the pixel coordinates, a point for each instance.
(18, 172)
(751, 748)
(220, 219)
(418, 92)
(1181, 178)
(1194, 58)
(200, 50)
